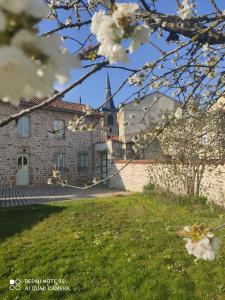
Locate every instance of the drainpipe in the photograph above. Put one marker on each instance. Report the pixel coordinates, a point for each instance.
(93, 155)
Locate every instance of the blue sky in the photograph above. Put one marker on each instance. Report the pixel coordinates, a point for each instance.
(92, 91)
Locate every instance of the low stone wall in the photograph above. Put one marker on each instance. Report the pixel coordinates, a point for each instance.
(210, 178)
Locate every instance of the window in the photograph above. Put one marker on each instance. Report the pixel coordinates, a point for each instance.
(205, 139)
(110, 120)
(23, 126)
(103, 136)
(82, 161)
(59, 162)
(59, 128)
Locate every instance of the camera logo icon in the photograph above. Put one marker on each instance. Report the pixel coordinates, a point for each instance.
(14, 284)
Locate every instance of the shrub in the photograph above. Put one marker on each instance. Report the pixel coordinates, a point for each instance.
(152, 191)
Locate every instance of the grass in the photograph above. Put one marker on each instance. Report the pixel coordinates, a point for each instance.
(113, 248)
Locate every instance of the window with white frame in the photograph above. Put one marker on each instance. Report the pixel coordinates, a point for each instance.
(103, 136)
(82, 161)
(23, 126)
(205, 139)
(59, 128)
(60, 162)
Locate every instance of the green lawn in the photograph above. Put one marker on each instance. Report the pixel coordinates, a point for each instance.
(112, 248)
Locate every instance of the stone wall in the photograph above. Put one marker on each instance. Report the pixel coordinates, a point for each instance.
(41, 147)
(211, 178)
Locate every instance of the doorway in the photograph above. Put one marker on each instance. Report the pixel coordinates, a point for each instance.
(104, 165)
(22, 174)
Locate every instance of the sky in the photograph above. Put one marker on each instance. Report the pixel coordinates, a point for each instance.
(92, 91)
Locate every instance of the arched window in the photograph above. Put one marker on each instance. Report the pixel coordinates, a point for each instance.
(110, 120)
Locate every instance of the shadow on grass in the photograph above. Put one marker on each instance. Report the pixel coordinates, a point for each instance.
(15, 220)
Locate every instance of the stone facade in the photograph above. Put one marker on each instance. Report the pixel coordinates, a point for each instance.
(140, 172)
(119, 144)
(41, 148)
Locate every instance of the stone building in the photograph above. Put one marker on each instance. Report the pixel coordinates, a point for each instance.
(132, 119)
(135, 117)
(29, 150)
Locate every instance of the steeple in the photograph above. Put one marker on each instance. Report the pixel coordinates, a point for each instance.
(108, 104)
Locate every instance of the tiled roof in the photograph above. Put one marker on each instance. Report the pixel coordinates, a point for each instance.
(59, 104)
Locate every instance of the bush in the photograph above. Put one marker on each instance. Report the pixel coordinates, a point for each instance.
(150, 190)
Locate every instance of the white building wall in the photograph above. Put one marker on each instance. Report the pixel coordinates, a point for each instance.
(156, 104)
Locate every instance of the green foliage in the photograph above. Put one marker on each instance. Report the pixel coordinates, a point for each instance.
(113, 248)
(152, 191)
(149, 188)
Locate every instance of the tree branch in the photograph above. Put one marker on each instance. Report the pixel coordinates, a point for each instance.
(191, 28)
(64, 26)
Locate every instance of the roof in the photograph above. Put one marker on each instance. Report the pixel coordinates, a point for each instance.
(109, 103)
(59, 104)
(155, 92)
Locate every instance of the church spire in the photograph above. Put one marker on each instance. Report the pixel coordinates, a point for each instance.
(108, 104)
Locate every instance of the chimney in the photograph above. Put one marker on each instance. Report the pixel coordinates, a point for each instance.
(80, 101)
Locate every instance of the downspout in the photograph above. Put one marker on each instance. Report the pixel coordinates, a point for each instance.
(93, 156)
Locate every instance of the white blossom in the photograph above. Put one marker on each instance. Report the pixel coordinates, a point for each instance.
(23, 74)
(179, 113)
(125, 12)
(206, 249)
(205, 47)
(17, 73)
(49, 181)
(59, 63)
(135, 148)
(114, 52)
(111, 29)
(36, 8)
(200, 242)
(92, 3)
(136, 138)
(135, 79)
(68, 21)
(186, 10)
(155, 84)
(96, 21)
(139, 36)
(105, 29)
(157, 20)
(107, 34)
(88, 110)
